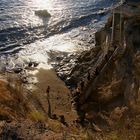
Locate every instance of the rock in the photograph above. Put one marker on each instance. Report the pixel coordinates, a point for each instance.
(62, 120)
(117, 113)
(35, 64)
(42, 13)
(54, 116)
(30, 64)
(17, 70)
(59, 58)
(91, 115)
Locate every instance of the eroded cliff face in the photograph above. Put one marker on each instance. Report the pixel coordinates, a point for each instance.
(122, 78)
(109, 75)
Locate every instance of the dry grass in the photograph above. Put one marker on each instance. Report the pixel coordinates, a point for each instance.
(6, 113)
(12, 100)
(4, 92)
(6, 101)
(55, 126)
(37, 116)
(86, 135)
(114, 136)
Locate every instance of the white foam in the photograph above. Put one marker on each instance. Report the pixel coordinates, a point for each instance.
(38, 51)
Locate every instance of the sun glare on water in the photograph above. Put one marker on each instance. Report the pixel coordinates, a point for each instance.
(43, 4)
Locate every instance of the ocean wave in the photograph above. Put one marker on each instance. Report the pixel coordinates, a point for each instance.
(12, 39)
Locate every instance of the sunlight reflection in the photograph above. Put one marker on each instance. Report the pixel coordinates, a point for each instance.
(43, 4)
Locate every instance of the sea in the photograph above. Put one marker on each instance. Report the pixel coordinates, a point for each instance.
(25, 36)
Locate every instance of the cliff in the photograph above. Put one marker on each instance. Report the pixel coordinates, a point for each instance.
(104, 84)
(108, 84)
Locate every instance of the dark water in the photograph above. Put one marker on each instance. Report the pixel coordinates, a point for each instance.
(71, 21)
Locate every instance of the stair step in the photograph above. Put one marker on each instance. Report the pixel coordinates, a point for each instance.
(101, 65)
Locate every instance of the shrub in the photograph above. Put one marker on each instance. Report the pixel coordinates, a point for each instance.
(55, 126)
(37, 116)
(87, 135)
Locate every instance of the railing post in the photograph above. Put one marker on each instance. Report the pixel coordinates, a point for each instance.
(113, 23)
(121, 25)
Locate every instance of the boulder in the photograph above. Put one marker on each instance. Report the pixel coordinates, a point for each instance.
(42, 13)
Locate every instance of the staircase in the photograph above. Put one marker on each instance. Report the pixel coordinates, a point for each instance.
(103, 66)
(100, 67)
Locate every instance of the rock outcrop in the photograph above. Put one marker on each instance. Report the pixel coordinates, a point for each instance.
(110, 72)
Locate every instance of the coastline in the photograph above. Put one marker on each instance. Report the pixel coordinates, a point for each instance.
(111, 101)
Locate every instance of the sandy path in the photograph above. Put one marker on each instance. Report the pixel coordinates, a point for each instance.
(59, 93)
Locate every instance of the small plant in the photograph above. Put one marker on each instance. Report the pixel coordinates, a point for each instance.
(37, 116)
(87, 135)
(55, 126)
(114, 136)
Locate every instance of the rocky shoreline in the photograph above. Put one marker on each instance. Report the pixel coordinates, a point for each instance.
(104, 85)
(105, 79)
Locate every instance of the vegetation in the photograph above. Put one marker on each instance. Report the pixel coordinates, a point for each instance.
(37, 116)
